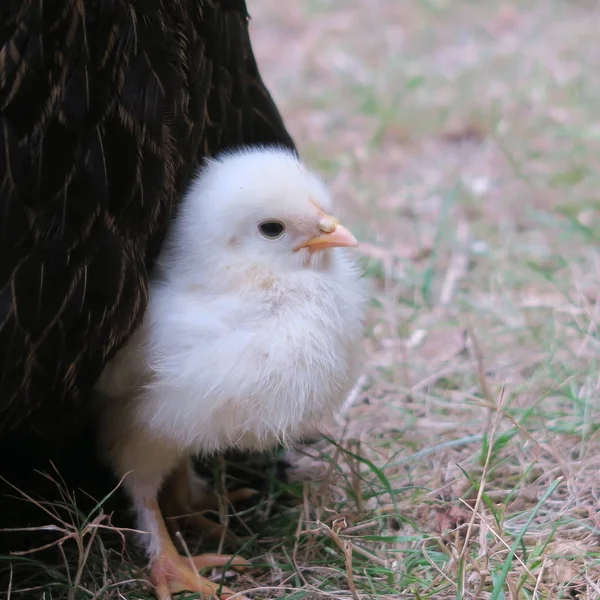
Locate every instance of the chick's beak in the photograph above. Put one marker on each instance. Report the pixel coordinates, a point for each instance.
(333, 235)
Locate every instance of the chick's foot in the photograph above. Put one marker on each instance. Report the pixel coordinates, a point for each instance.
(171, 573)
(202, 524)
(186, 499)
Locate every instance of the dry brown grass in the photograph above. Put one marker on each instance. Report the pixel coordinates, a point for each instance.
(462, 141)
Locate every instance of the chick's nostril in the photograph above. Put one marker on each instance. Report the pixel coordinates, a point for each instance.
(328, 225)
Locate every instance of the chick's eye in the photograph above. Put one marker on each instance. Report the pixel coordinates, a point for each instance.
(271, 229)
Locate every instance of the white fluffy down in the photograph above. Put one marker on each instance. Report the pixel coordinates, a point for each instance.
(245, 342)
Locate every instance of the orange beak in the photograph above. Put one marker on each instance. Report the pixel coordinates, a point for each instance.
(334, 236)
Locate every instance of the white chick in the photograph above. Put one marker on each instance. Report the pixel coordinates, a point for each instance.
(251, 337)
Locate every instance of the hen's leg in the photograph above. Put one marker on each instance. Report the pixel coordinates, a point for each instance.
(185, 497)
(171, 572)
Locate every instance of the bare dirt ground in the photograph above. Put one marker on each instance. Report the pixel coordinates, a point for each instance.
(461, 140)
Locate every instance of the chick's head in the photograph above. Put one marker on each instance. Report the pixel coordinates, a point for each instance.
(262, 206)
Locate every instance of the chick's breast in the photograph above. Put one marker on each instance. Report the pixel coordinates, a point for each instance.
(250, 371)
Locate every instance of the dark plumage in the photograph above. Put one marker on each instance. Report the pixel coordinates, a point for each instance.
(106, 109)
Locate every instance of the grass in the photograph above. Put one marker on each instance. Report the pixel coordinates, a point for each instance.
(462, 141)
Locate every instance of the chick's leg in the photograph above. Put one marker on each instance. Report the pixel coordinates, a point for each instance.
(171, 572)
(185, 497)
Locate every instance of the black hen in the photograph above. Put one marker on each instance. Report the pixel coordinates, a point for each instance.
(106, 109)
